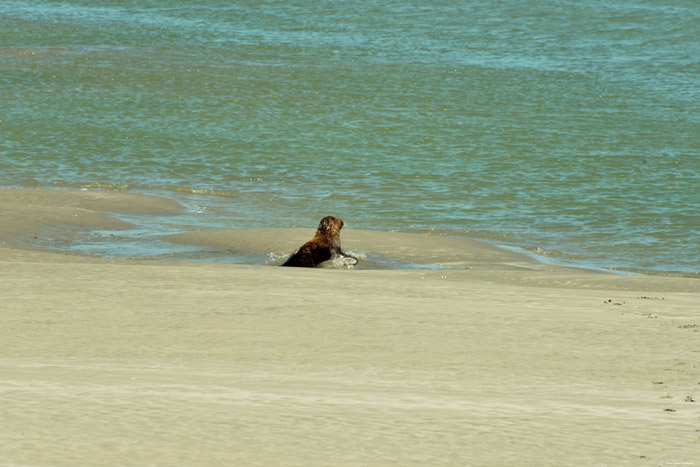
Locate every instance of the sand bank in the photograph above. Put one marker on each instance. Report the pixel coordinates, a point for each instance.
(29, 214)
(503, 363)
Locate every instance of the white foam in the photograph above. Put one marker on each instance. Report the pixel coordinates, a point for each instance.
(275, 257)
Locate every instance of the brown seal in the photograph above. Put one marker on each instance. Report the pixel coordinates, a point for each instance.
(324, 245)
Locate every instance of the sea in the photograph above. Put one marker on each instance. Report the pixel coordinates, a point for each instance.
(567, 129)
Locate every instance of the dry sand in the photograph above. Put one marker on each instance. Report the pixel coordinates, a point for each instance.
(499, 361)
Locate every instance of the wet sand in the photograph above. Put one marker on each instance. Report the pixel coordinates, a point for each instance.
(499, 361)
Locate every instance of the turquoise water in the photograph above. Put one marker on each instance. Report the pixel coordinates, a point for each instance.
(569, 128)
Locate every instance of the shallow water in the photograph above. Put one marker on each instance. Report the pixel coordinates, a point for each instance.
(570, 130)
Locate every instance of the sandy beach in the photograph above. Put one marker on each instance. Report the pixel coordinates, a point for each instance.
(498, 360)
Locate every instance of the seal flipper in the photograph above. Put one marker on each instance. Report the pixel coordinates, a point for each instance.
(347, 256)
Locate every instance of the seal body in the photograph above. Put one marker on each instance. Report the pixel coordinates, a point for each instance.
(324, 245)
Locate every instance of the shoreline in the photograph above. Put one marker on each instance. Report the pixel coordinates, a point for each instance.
(52, 220)
(60, 220)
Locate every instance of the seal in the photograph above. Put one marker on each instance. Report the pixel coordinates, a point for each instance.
(324, 245)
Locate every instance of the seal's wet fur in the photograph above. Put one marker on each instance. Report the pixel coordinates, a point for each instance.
(324, 245)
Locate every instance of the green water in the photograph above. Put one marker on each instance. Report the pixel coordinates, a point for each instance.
(572, 129)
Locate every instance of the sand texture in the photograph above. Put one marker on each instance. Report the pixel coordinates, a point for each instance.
(499, 361)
